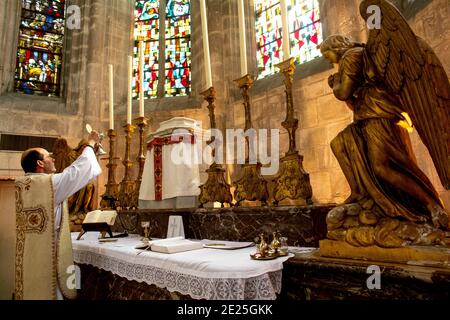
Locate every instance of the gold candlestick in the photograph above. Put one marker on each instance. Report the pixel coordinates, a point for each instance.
(142, 123)
(251, 186)
(215, 189)
(109, 198)
(127, 185)
(292, 182)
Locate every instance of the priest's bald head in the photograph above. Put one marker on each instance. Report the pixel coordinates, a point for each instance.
(37, 160)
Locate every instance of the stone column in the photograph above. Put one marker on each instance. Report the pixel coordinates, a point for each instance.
(342, 17)
(10, 11)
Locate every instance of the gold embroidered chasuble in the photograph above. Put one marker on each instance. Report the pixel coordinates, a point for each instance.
(43, 255)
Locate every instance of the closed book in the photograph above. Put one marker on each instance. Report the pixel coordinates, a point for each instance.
(171, 245)
(176, 245)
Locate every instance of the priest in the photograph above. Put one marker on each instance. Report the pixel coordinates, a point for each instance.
(43, 244)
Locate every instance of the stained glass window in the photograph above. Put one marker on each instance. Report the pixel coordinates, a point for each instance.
(39, 53)
(178, 48)
(174, 44)
(305, 32)
(306, 29)
(147, 30)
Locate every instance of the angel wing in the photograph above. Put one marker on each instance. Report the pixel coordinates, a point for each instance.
(63, 154)
(412, 70)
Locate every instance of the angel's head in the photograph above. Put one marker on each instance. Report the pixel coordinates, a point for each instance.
(334, 47)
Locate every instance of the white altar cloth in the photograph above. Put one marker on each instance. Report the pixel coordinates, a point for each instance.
(178, 180)
(211, 274)
(176, 164)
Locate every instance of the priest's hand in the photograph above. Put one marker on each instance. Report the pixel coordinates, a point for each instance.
(93, 138)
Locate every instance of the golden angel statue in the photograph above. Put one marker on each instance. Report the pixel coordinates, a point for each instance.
(391, 83)
(82, 201)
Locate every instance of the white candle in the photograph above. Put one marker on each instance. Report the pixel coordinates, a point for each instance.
(141, 78)
(285, 30)
(243, 44)
(130, 88)
(205, 44)
(111, 97)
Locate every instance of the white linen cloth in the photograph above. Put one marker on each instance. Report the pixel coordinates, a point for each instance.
(202, 274)
(178, 180)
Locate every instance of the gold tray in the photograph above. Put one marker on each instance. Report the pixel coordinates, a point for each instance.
(254, 257)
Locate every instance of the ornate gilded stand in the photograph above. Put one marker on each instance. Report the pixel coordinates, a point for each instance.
(215, 189)
(142, 123)
(292, 182)
(127, 185)
(110, 197)
(251, 186)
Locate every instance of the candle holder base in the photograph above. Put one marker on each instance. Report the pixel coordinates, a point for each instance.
(251, 186)
(216, 189)
(142, 123)
(126, 195)
(110, 197)
(127, 185)
(292, 185)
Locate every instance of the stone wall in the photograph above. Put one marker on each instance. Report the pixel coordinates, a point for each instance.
(106, 37)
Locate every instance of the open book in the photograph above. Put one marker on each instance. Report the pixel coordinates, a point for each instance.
(171, 245)
(99, 216)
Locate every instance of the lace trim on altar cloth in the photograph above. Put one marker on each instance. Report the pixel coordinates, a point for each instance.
(263, 287)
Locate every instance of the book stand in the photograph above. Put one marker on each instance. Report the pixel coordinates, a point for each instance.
(101, 227)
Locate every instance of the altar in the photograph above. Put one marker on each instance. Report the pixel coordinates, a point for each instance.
(211, 274)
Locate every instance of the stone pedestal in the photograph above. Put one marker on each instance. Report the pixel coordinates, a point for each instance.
(311, 277)
(420, 255)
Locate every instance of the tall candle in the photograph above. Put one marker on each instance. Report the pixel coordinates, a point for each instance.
(130, 89)
(111, 97)
(205, 44)
(141, 78)
(285, 30)
(243, 44)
